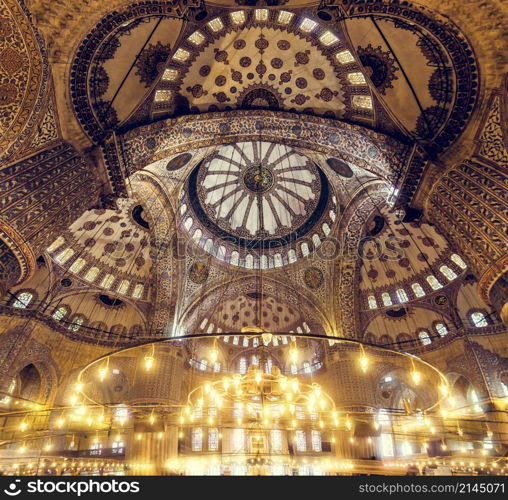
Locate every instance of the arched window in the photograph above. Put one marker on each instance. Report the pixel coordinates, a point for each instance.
(457, 259)
(92, 273)
(242, 366)
(76, 323)
(77, 265)
(479, 320)
(188, 223)
(304, 247)
(138, 291)
(387, 300)
(294, 369)
(268, 366)
(64, 256)
(316, 440)
(372, 302)
(316, 240)
(56, 244)
(213, 439)
(249, 261)
(448, 273)
(441, 328)
(122, 287)
(60, 313)
(291, 256)
(235, 258)
(23, 300)
(306, 367)
(418, 290)
(197, 439)
(107, 281)
(433, 282)
(216, 367)
(203, 364)
(402, 295)
(424, 337)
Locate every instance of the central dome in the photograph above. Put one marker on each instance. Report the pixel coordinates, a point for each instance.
(257, 204)
(258, 190)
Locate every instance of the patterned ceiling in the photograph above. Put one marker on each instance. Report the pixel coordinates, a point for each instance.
(109, 249)
(387, 71)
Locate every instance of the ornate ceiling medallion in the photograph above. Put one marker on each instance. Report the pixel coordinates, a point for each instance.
(257, 198)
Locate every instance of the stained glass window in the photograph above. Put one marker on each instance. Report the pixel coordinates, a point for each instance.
(479, 319)
(197, 439)
(433, 282)
(60, 313)
(316, 440)
(276, 440)
(418, 290)
(424, 337)
(23, 300)
(441, 328)
(301, 441)
(448, 273)
(76, 323)
(457, 259)
(372, 302)
(402, 295)
(387, 300)
(213, 439)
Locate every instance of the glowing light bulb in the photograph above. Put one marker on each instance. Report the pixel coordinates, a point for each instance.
(208, 387)
(103, 373)
(258, 376)
(48, 447)
(443, 389)
(79, 387)
(60, 422)
(294, 385)
(149, 361)
(152, 419)
(225, 384)
(23, 426)
(293, 355)
(348, 423)
(213, 355)
(416, 377)
(364, 363)
(182, 419)
(444, 447)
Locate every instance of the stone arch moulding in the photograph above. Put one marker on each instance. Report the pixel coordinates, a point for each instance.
(27, 71)
(373, 151)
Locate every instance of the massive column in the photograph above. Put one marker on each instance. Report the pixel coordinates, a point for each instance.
(41, 195)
